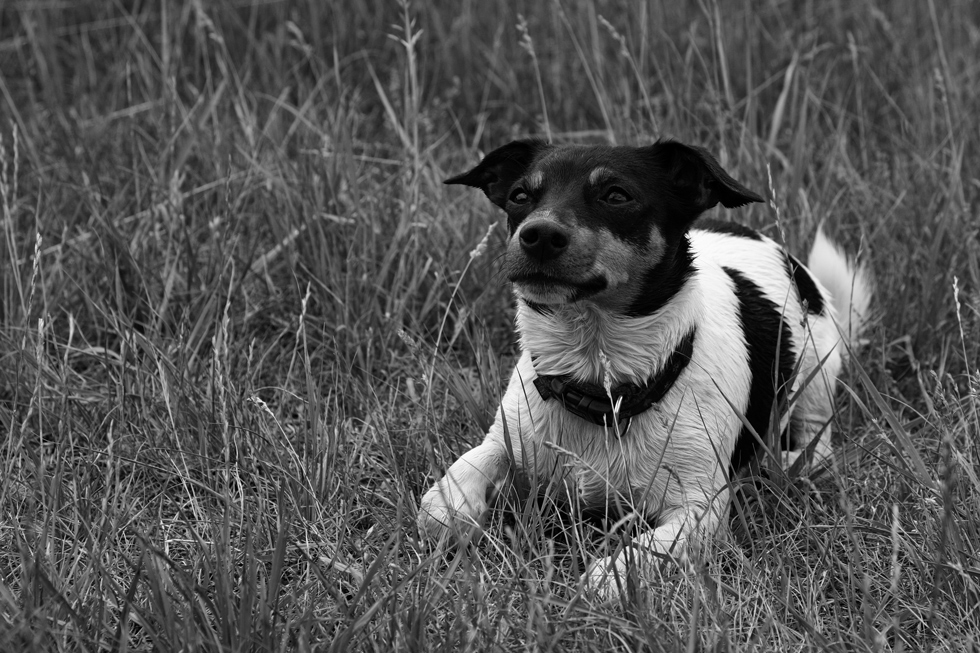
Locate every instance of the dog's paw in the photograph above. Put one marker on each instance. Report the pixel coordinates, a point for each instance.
(449, 513)
(789, 458)
(628, 574)
(811, 462)
(608, 578)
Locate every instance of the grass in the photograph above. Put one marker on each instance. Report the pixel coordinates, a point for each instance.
(242, 323)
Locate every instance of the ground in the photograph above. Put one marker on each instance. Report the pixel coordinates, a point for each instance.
(243, 324)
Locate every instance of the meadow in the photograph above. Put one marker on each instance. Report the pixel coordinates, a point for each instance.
(243, 324)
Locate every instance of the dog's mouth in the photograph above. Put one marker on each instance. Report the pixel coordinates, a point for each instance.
(547, 289)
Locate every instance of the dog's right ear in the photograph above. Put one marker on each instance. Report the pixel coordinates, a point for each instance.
(699, 179)
(501, 168)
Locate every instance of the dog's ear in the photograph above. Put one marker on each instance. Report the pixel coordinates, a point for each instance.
(697, 177)
(501, 168)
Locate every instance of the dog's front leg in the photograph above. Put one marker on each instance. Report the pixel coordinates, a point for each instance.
(458, 501)
(677, 531)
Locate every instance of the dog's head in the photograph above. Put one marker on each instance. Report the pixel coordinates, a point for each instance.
(601, 223)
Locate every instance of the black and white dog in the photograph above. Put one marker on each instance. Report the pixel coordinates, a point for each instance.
(656, 348)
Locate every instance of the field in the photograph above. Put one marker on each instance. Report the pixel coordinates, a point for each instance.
(243, 323)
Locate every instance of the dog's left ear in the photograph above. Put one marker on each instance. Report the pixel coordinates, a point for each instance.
(501, 168)
(698, 178)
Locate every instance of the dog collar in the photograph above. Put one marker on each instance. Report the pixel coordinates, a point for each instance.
(592, 403)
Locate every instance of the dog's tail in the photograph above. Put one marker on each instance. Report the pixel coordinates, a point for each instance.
(850, 286)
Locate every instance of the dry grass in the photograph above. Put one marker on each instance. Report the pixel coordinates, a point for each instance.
(241, 326)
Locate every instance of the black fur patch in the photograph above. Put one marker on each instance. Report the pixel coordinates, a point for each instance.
(664, 280)
(730, 228)
(764, 330)
(805, 285)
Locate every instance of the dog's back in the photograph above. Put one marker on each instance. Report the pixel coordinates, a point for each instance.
(795, 324)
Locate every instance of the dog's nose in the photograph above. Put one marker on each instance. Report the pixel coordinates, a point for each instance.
(543, 239)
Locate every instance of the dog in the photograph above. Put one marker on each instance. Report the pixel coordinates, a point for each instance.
(658, 349)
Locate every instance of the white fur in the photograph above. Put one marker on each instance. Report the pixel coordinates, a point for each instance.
(674, 460)
(850, 289)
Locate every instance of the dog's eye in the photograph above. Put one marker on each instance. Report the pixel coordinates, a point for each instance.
(616, 195)
(519, 196)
